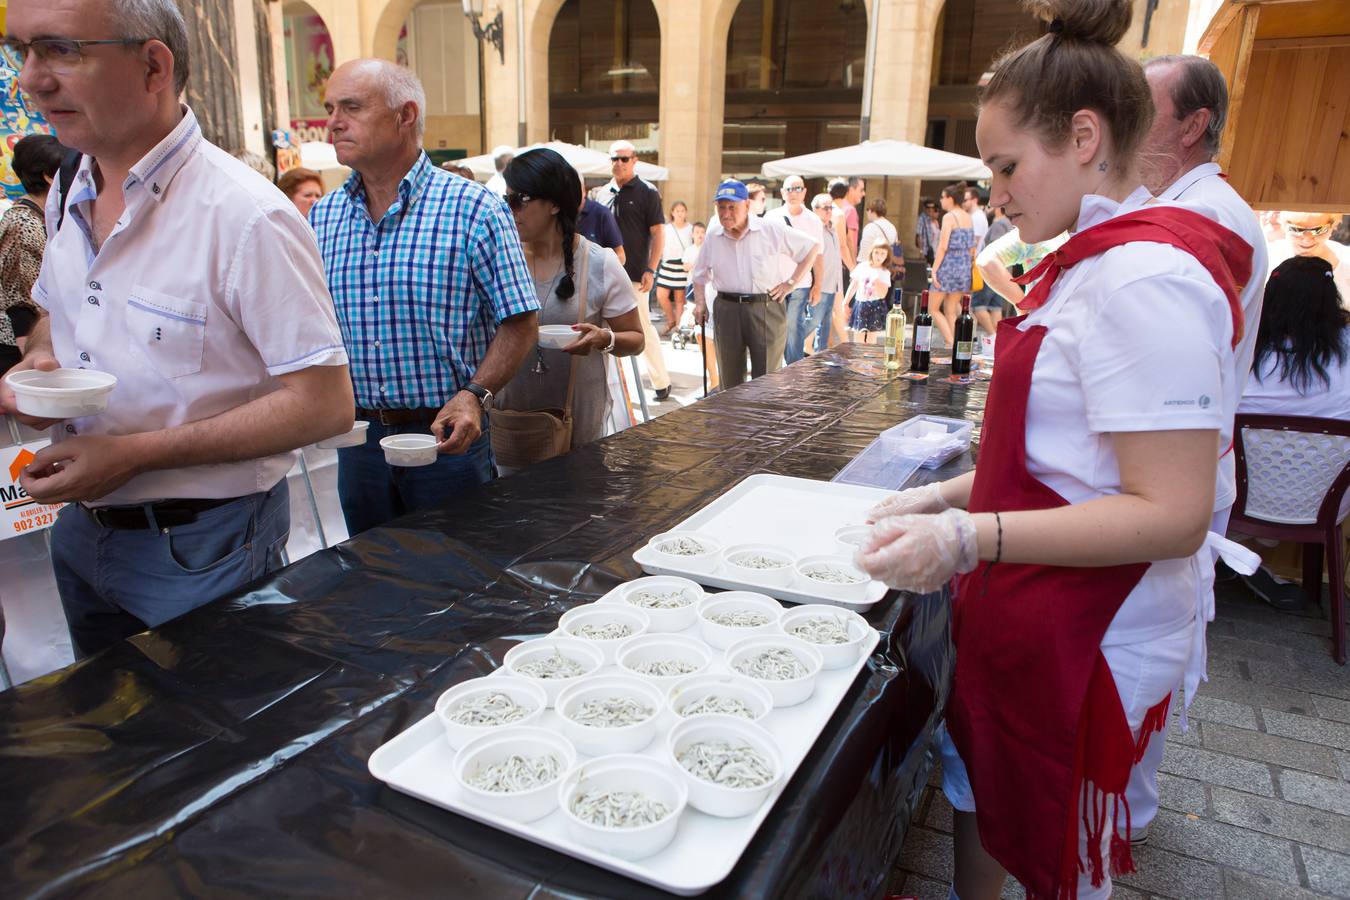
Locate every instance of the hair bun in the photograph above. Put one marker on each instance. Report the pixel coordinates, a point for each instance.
(1092, 21)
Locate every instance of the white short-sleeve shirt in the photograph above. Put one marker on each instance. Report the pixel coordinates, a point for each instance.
(1139, 339)
(806, 221)
(208, 288)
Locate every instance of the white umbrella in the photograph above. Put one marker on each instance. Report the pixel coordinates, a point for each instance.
(898, 159)
(589, 162)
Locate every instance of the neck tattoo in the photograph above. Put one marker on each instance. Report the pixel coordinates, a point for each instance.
(1101, 167)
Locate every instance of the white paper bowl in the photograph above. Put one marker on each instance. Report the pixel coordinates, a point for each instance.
(663, 646)
(780, 577)
(699, 562)
(497, 747)
(849, 539)
(625, 772)
(855, 592)
(599, 741)
(723, 636)
(696, 687)
(353, 438)
(61, 393)
(835, 656)
(409, 450)
(605, 614)
(714, 799)
(556, 337)
(664, 620)
(520, 690)
(583, 652)
(785, 693)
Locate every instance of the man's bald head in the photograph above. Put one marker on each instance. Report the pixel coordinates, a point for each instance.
(398, 85)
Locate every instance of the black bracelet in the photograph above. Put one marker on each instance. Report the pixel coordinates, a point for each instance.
(998, 552)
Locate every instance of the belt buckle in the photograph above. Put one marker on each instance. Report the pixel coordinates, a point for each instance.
(384, 418)
(97, 515)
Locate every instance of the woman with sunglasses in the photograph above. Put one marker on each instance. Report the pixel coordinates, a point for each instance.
(1309, 234)
(544, 195)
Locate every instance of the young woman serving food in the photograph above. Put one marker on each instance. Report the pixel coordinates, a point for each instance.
(1079, 539)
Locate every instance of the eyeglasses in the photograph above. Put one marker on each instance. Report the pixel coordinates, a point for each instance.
(517, 201)
(615, 159)
(794, 190)
(1317, 231)
(61, 54)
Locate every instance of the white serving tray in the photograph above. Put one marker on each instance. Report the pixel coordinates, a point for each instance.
(798, 514)
(705, 849)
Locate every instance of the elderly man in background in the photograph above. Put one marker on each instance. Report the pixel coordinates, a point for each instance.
(806, 294)
(432, 293)
(830, 271)
(196, 283)
(501, 158)
(741, 260)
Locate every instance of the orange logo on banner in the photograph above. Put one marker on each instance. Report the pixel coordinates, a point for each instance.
(23, 459)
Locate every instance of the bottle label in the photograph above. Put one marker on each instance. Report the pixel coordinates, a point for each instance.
(923, 338)
(964, 349)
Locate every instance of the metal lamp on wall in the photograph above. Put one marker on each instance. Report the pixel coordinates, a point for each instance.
(493, 33)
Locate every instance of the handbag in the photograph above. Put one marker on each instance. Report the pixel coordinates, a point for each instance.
(523, 437)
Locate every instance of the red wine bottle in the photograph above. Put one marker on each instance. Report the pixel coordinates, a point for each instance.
(923, 337)
(964, 330)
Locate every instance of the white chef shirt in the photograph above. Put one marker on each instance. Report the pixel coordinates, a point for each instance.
(750, 264)
(1139, 340)
(1205, 186)
(806, 221)
(209, 287)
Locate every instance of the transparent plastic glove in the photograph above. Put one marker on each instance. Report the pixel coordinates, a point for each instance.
(920, 553)
(924, 499)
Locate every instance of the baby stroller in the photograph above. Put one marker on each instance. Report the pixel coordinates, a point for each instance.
(685, 333)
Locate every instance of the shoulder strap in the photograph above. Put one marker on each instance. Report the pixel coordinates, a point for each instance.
(582, 292)
(70, 164)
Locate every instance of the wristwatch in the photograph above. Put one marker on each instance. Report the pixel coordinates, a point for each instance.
(483, 394)
(649, 270)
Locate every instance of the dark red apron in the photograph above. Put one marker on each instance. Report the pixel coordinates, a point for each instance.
(1034, 710)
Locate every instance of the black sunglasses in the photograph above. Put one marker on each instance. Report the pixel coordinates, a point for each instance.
(620, 158)
(517, 201)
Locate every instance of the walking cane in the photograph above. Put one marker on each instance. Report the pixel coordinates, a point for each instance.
(703, 351)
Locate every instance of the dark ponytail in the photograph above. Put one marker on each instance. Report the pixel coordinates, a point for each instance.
(1302, 324)
(544, 175)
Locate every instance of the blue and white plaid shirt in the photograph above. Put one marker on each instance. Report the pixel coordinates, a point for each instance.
(420, 294)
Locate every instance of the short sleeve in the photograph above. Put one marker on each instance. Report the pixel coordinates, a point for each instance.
(617, 289)
(500, 277)
(609, 230)
(1153, 358)
(795, 243)
(655, 215)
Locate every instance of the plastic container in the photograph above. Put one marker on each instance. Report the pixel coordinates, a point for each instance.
(849, 539)
(491, 749)
(520, 690)
(664, 620)
(409, 450)
(582, 652)
(723, 636)
(779, 577)
(936, 438)
(61, 393)
(604, 614)
(707, 561)
(834, 656)
(721, 684)
(652, 647)
(594, 741)
(714, 799)
(625, 772)
(353, 438)
(791, 691)
(556, 337)
(853, 592)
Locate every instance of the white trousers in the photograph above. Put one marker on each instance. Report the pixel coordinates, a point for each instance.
(652, 354)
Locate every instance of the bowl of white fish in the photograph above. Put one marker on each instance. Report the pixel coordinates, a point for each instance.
(837, 633)
(831, 576)
(725, 618)
(472, 708)
(670, 602)
(786, 666)
(687, 550)
(610, 714)
(553, 662)
(664, 659)
(850, 538)
(625, 805)
(758, 564)
(514, 772)
(729, 765)
(605, 625)
(720, 694)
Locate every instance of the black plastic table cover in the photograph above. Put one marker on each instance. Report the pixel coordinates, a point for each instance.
(224, 754)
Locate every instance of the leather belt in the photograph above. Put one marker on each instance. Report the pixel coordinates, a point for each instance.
(167, 513)
(421, 415)
(741, 298)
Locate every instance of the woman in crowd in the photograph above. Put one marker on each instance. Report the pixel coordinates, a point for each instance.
(1309, 235)
(23, 238)
(704, 335)
(869, 287)
(953, 262)
(303, 187)
(878, 227)
(544, 194)
(671, 276)
(1081, 535)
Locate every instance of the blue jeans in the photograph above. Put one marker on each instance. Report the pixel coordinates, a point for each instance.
(821, 314)
(373, 492)
(118, 582)
(796, 303)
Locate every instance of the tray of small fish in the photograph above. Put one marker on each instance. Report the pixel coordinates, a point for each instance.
(650, 735)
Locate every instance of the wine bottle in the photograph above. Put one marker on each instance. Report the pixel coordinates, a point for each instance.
(923, 337)
(964, 331)
(895, 332)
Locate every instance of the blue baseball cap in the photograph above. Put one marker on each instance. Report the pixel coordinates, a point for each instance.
(731, 189)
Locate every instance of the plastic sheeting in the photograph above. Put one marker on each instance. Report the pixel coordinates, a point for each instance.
(225, 753)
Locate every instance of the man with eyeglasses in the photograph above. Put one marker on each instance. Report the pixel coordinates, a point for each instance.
(642, 222)
(1310, 234)
(806, 293)
(177, 269)
(432, 292)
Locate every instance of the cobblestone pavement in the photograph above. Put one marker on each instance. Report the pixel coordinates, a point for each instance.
(1255, 797)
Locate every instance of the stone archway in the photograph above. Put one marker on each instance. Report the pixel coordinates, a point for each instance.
(310, 58)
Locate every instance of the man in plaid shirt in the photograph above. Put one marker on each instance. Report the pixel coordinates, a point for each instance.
(432, 293)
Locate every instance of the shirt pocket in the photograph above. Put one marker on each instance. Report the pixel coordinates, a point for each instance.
(170, 331)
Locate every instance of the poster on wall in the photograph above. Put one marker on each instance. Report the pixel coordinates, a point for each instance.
(17, 120)
(309, 62)
(20, 513)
